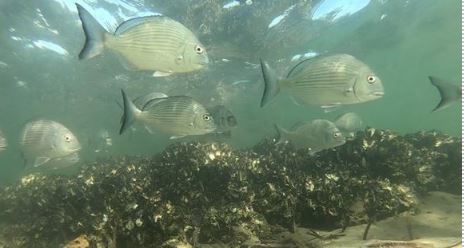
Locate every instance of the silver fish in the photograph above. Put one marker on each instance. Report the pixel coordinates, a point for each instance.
(326, 81)
(44, 141)
(348, 124)
(314, 135)
(3, 142)
(224, 119)
(151, 43)
(450, 92)
(176, 115)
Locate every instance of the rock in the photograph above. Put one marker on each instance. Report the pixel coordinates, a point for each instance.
(209, 193)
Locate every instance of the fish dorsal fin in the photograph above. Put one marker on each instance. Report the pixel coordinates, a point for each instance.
(128, 24)
(283, 134)
(142, 100)
(449, 92)
(40, 161)
(150, 130)
(298, 124)
(152, 102)
(298, 67)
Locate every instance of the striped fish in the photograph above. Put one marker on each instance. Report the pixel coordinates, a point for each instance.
(223, 117)
(314, 135)
(349, 123)
(152, 43)
(43, 141)
(176, 115)
(326, 81)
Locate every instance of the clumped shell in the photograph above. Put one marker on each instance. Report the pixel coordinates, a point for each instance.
(195, 193)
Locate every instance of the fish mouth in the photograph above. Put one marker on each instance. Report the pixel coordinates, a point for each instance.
(202, 65)
(378, 93)
(203, 62)
(75, 150)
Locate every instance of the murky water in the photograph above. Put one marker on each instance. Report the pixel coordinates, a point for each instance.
(403, 41)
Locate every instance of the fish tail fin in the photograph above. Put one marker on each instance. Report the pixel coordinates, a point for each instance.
(130, 112)
(282, 134)
(94, 32)
(271, 83)
(449, 92)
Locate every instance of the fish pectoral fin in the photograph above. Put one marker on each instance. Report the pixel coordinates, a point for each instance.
(349, 91)
(226, 134)
(40, 161)
(149, 129)
(177, 137)
(179, 59)
(161, 74)
(330, 107)
(126, 64)
(298, 101)
(328, 110)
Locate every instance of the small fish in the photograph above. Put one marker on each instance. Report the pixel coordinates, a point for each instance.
(44, 141)
(100, 141)
(224, 119)
(151, 43)
(326, 81)
(176, 115)
(449, 92)
(314, 135)
(3, 142)
(348, 124)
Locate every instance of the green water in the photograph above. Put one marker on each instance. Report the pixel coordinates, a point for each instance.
(216, 189)
(413, 40)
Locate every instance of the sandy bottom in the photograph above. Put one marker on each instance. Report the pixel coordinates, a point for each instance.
(436, 224)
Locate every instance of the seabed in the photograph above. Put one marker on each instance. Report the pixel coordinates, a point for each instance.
(404, 187)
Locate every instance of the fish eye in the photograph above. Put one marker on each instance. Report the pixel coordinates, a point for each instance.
(198, 49)
(371, 79)
(336, 135)
(231, 119)
(67, 138)
(206, 117)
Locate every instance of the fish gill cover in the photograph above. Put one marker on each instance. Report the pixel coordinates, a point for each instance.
(201, 193)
